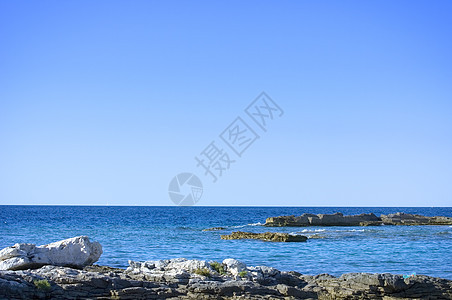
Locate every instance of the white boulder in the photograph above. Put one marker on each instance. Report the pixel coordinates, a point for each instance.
(75, 252)
(234, 266)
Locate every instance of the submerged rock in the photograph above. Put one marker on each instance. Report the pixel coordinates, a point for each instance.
(75, 252)
(338, 219)
(177, 279)
(266, 236)
(214, 229)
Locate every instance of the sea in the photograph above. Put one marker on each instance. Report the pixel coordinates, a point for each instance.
(155, 233)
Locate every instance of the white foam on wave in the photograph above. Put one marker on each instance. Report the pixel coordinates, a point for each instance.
(251, 224)
(354, 230)
(298, 233)
(315, 230)
(255, 224)
(237, 226)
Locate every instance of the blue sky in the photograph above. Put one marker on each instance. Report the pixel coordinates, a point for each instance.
(106, 101)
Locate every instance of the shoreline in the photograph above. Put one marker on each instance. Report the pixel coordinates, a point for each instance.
(198, 279)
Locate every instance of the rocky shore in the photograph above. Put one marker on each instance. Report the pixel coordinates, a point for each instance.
(197, 279)
(187, 279)
(338, 219)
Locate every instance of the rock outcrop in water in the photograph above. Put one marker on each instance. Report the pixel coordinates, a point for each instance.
(338, 219)
(180, 279)
(214, 229)
(266, 236)
(409, 219)
(75, 252)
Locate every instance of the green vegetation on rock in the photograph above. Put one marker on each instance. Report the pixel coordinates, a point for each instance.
(218, 267)
(203, 272)
(42, 284)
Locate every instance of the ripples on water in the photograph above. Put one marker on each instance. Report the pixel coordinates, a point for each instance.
(151, 233)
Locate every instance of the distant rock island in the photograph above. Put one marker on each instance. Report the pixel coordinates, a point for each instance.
(338, 219)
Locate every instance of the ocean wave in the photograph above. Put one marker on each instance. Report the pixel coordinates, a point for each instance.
(313, 230)
(305, 231)
(237, 226)
(251, 224)
(355, 230)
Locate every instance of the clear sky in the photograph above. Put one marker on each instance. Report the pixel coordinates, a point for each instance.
(106, 101)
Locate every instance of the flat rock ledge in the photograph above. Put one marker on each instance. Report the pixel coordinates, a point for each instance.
(76, 252)
(266, 236)
(338, 219)
(198, 279)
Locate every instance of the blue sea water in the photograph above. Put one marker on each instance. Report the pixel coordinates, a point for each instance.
(153, 233)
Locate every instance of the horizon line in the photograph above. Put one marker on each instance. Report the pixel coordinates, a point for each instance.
(109, 205)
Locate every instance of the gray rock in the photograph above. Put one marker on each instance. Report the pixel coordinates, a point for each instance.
(411, 219)
(337, 219)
